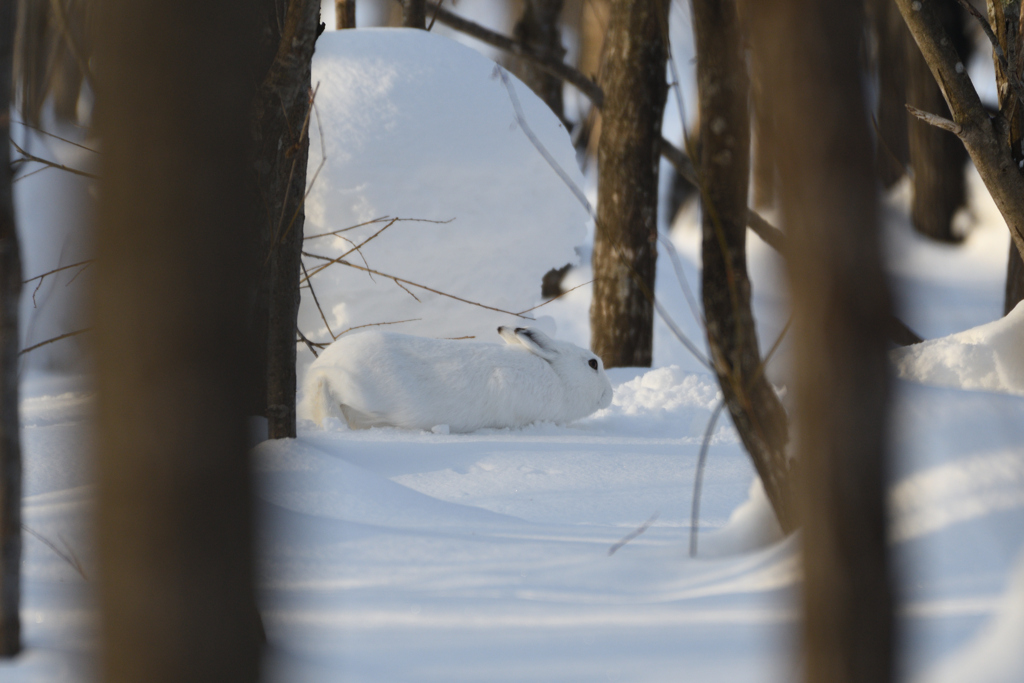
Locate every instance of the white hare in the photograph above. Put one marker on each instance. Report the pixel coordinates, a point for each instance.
(380, 379)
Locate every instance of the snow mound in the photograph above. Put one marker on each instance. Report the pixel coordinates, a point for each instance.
(665, 401)
(989, 357)
(413, 125)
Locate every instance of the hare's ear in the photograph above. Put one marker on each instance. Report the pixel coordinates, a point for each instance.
(537, 342)
(508, 335)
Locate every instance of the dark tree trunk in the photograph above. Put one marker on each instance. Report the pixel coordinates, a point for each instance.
(810, 57)
(633, 80)
(937, 157)
(723, 89)
(344, 14)
(538, 29)
(892, 147)
(414, 13)
(1007, 33)
(1014, 281)
(281, 122)
(173, 281)
(10, 293)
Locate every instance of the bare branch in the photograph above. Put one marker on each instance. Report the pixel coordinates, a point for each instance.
(26, 156)
(546, 63)
(556, 298)
(401, 282)
(55, 339)
(936, 120)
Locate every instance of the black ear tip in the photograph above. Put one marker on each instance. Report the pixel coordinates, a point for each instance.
(520, 330)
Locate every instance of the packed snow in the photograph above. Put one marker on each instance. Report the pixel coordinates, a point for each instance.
(510, 555)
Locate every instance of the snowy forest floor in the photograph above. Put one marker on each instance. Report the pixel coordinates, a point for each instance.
(389, 555)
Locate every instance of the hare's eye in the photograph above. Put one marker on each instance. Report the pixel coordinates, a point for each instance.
(592, 363)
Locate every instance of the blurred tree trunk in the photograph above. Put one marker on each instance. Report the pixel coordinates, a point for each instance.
(936, 156)
(1007, 32)
(538, 29)
(633, 80)
(414, 13)
(764, 155)
(10, 294)
(344, 14)
(892, 148)
(175, 235)
(281, 119)
(809, 55)
(723, 90)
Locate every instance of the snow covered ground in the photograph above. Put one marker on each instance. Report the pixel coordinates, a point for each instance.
(390, 555)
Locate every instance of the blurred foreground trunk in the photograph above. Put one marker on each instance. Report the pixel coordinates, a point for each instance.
(175, 234)
(10, 293)
(937, 156)
(892, 151)
(633, 80)
(808, 55)
(723, 88)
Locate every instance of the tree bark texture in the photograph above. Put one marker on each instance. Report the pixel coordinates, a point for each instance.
(983, 136)
(1007, 33)
(633, 80)
(937, 156)
(414, 13)
(538, 29)
(10, 294)
(281, 120)
(810, 57)
(892, 150)
(173, 286)
(344, 14)
(723, 89)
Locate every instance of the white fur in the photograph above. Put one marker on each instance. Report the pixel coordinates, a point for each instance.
(380, 379)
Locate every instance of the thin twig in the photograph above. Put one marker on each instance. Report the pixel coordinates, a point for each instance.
(68, 556)
(556, 298)
(677, 266)
(317, 302)
(55, 339)
(57, 270)
(56, 137)
(698, 480)
(26, 156)
(935, 120)
(392, 322)
(351, 227)
(633, 534)
(309, 344)
(401, 282)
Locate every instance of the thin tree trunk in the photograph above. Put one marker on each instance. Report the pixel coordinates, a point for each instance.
(281, 142)
(173, 280)
(809, 52)
(344, 14)
(936, 156)
(10, 293)
(414, 14)
(892, 151)
(723, 89)
(622, 312)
